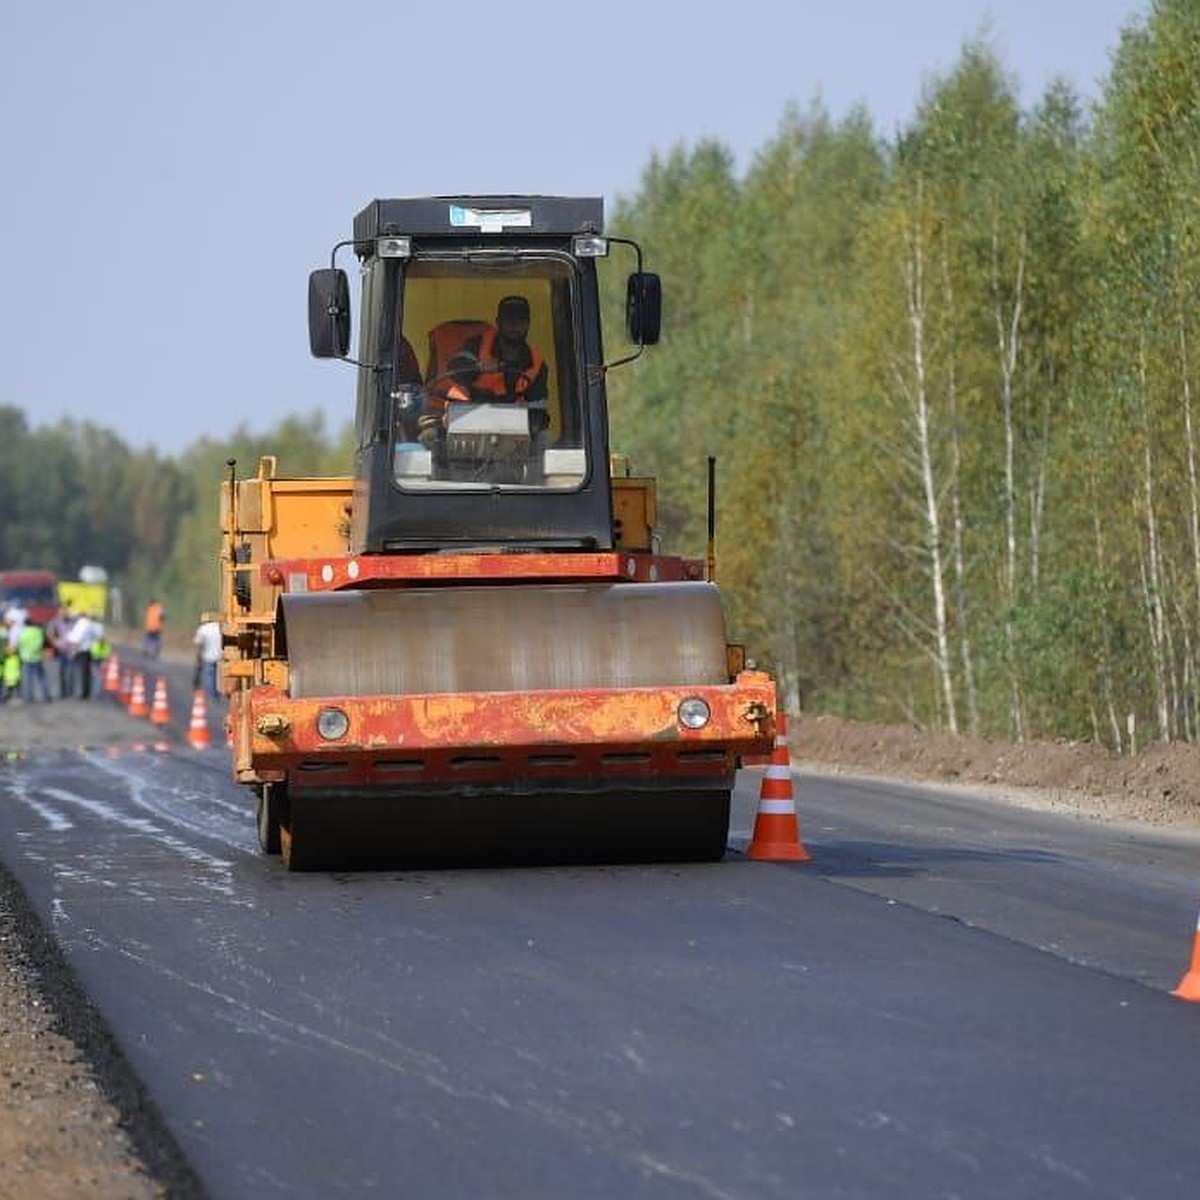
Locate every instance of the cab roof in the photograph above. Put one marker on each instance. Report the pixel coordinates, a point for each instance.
(458, 216)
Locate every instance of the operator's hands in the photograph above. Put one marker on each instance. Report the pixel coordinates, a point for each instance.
(428, 427)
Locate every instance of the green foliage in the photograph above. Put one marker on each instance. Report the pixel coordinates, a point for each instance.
(75, 494)
(956, 367)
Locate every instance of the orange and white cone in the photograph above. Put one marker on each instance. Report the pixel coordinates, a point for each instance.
(112, 674)
(126, 689)
(1189, 985)
(197, 734)
(137, 698)
(776, 829)
(160, 710)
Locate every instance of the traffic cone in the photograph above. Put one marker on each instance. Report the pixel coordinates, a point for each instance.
(126, 689)
(1189, 985)
(776, 830)
(197, 734)
(160, 710)
(137, 697)
(112, 674)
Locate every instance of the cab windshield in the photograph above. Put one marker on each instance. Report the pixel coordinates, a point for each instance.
(487, 391)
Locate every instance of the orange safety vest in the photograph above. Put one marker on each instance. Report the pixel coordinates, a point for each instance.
(493, 378)
(154, 618)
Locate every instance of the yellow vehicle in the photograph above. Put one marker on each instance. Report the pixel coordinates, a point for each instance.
(87, 594)
(471, 649)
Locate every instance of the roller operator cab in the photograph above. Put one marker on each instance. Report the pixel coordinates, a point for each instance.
(442, 462)
(472, 650)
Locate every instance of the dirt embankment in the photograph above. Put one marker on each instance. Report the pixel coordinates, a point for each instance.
(1160, 786)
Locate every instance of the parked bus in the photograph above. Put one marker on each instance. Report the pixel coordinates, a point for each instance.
(34, 591)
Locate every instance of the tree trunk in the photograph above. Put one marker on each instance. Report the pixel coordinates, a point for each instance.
(1007, 346)
(922, 426)
(1152, 574)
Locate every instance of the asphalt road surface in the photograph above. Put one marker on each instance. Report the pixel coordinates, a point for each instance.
(952, 999)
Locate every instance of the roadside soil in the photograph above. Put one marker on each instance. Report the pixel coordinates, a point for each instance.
(1159, 786)
(74, 1122)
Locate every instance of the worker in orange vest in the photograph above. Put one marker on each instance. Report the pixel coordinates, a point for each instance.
(152, 628)
(512, 368)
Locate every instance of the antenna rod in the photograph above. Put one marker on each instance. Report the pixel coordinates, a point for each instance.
(712, 518)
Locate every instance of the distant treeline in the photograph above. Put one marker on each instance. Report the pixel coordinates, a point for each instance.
(74, 494)
(950, 379)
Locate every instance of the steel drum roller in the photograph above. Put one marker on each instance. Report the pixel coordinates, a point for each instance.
(516, 637)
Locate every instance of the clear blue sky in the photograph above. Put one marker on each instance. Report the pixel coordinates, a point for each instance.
(172, 172)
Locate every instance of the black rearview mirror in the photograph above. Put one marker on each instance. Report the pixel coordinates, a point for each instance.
(329, 313)
(643, 307)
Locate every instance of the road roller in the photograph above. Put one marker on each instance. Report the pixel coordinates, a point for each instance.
(473, 650)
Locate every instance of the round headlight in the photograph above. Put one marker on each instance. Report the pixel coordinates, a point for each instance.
(693, 713)
(332, 724)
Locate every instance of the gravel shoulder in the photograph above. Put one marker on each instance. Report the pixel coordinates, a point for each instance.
(75, 1121)
(60, 1135)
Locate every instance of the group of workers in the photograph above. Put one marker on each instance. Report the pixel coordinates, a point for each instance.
(75, 640)
(79, 644)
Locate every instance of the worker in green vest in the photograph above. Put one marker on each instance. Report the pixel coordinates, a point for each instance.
(31, 650)
(10, 671)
